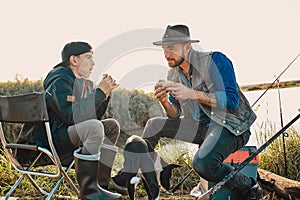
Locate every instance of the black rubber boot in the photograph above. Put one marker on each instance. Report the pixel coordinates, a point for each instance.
(166, 172)
(105, 165)
(254, 193)
(86, 168)
(119, 182)
(151, 185)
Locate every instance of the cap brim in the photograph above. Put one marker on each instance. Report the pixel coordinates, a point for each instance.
(160, 43)
(60, 64)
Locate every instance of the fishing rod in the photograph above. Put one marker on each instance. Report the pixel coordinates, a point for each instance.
(218, 186)
(191, 170)
(180, 182)
(281, 123)
(281, 120)
(275, 80)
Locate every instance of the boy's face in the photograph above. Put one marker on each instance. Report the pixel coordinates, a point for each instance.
(85, 64)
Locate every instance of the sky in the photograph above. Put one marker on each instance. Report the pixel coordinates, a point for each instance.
(260, 37)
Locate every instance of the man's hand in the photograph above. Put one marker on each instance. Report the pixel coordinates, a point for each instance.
(160, 91)
(181, 92)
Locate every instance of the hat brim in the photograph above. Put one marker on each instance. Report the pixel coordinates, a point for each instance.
(160, 43)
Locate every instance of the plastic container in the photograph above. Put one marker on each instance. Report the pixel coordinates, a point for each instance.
(249, 170)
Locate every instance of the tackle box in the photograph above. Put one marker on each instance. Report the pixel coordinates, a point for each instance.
(249, 170)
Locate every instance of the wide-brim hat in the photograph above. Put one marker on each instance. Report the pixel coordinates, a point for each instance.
(176, 34)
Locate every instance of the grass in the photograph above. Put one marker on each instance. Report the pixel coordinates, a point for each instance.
(271, 159)
(25, 190)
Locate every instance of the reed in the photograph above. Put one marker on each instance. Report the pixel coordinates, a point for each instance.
(272, 158)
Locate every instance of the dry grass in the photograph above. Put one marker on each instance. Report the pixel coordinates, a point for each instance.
(271, 159)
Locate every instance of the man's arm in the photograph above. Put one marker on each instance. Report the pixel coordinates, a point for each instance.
(223, 78)
(170, 109)
(181, 92)
(204, 98)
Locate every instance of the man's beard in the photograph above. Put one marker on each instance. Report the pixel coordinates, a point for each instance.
(176, 64)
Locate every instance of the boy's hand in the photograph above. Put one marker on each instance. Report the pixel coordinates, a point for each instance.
(107, 84)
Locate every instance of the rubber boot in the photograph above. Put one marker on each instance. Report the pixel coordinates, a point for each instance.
(108, 154)
(86, 168)
(119, 182)
(161, 166)
(166, 174)
(151, 185)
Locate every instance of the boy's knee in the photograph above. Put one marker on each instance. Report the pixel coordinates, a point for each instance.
(96, 129)
(114, 124)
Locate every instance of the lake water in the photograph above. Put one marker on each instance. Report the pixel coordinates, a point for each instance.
(268, 109)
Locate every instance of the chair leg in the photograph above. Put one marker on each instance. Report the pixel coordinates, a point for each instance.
(54, 188)
(64, 175)
(69, 181)
(37, 187)
(14, 186)
(12, 189)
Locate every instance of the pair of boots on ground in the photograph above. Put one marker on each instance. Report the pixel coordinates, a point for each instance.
(136, 163)
(93, 174)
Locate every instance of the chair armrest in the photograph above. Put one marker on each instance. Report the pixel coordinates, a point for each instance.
(22, 146)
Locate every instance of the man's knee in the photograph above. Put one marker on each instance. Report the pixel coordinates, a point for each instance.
(153, 126)
(135, 144)
(199, 165)
(134, 147)
(136, 153)
(205, 167)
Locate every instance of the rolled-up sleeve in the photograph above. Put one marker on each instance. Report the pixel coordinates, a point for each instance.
(223, 77)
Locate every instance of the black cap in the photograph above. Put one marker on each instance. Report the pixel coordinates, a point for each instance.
(176, 34)
(74, 48)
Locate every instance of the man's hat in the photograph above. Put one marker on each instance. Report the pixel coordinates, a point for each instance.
(176, 34)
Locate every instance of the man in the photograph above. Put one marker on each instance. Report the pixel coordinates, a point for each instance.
(205, 106)
(75, 109)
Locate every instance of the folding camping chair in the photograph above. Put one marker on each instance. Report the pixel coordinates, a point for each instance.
(31, 108)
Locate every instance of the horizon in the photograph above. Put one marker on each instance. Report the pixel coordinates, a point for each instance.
(261, 38)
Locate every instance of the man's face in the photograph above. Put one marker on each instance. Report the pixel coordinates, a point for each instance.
(85, 64)
(174, 54)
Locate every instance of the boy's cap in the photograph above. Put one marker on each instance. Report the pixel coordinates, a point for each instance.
(74, 48)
